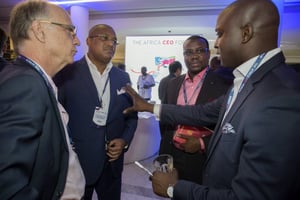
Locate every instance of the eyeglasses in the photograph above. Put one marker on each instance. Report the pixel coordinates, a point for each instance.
(199, 51)
(68, 27)
(105, 38)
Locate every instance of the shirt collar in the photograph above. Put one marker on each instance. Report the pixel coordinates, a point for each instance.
(93, 67)
(199, 75)
(49, 79)
(243, 69)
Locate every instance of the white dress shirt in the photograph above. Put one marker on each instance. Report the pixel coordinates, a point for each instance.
(75, 183)
(100, 80)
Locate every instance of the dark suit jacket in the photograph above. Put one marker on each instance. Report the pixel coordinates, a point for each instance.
(79, 96)
(3, 62)
(189, 165)
(254, 151)
(163, 85)
(33, 149)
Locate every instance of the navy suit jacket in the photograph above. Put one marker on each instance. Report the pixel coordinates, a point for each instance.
(253, 153)
(79, 96)
(3, 62)
(189, 165)
(33, 150)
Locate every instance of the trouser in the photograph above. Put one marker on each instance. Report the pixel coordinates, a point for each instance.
(108, 187)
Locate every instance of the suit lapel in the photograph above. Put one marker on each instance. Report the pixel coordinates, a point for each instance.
(241, 97)
(54, 102)
(205, 91)
(175, 91)
(217, 133)
(113, 80)
(88, 81)
(248, 88)
(235, 107)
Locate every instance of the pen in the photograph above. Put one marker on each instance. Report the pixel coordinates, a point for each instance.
(142, 167)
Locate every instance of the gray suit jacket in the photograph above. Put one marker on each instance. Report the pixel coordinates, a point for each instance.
(254, 151)
(33, 148)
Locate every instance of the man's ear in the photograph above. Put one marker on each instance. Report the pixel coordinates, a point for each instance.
(247, 33)
(38, 31)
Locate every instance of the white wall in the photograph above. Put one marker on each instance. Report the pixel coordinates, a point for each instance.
(181, 23)
(193, 22)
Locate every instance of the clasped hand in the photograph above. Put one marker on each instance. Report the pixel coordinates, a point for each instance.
(115, 148)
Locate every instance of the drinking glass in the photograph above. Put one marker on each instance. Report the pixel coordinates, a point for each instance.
(163, 163)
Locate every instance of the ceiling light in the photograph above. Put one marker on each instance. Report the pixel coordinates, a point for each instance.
(76, 1)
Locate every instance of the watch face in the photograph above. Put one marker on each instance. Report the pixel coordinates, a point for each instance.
(170, 191)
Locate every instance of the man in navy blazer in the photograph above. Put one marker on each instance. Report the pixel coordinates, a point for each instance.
(36, 160)
(253, 153)
(91, 92)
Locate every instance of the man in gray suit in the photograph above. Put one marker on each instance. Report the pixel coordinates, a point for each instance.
(253, 153)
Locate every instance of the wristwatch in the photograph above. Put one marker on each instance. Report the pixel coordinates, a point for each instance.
(170, 191)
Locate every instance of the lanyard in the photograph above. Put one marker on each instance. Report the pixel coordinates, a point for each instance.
(38, 69)
(249, 73)
(186, 101)
(100, 99)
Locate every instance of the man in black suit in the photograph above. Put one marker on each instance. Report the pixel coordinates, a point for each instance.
(198, 85)
(175, 69)
(253, 153)
(36, 157)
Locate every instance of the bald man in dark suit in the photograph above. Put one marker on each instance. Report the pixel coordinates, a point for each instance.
(253, 153)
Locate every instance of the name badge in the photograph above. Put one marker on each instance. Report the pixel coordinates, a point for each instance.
(100, 116)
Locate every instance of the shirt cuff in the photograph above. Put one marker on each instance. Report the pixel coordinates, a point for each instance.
(156, 111)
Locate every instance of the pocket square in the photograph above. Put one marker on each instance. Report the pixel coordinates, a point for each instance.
(121, 91)
(228, 129)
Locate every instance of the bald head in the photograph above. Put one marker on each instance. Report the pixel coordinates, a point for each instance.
(262, 15)
(99, 27)
(102, 42)
(249, 27)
